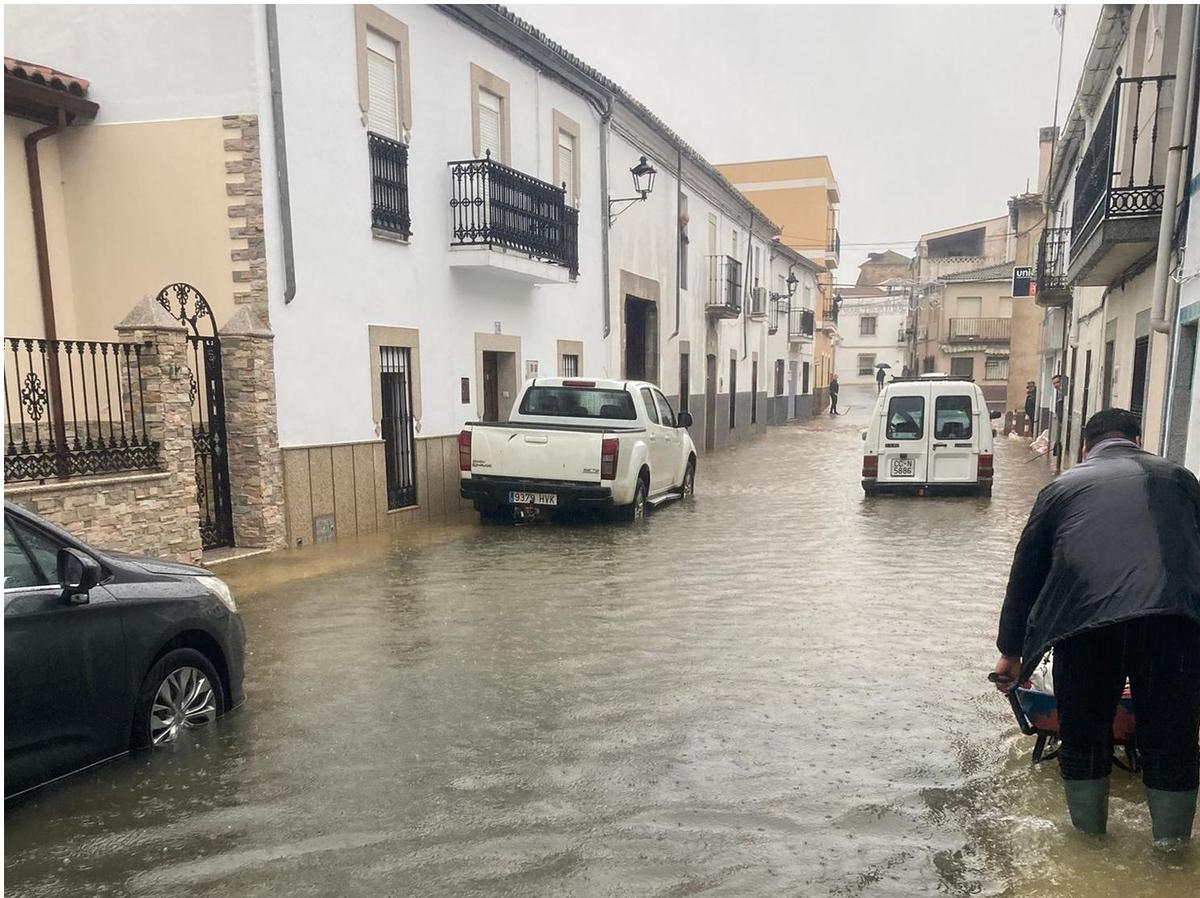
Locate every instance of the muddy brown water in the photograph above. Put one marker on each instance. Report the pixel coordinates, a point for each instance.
(775, 689)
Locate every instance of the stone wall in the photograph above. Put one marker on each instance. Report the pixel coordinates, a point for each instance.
(244, 187)
(137, 513)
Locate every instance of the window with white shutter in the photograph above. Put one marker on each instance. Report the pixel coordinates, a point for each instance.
(566, 163)
(490, 111)
(383, 94)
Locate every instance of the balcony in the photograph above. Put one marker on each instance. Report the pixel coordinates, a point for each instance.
(389, 187)
(758, 303)
(980, 330)
(800, 325)
(724, 298)
(829, 315)
(833, 249)
(1052, 286)
(777, 309)
(1119, 185)
(512, 223)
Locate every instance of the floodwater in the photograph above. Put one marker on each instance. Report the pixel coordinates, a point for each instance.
(775, 689)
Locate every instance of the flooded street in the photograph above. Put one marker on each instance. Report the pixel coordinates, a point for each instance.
(775, 689)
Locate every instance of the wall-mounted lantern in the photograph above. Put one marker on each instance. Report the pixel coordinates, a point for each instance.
(643, 182)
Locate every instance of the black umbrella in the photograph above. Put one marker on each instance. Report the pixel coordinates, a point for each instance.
(883, 365)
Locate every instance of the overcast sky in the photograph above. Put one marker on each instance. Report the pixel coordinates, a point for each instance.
(929, 114)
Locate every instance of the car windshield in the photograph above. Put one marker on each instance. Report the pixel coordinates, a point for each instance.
(579, 402)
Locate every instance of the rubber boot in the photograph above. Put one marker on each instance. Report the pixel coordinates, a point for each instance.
(1171, 813)
(1087, 800)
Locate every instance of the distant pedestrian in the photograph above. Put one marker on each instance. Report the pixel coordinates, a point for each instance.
(879, 378)
(1107, 572)
(833, 394)
(1030, 406)
(1060, 393)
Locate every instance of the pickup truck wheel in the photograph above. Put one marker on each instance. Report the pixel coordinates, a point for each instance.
(688, 489)
(635, 510)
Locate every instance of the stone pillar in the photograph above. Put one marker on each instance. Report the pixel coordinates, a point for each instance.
(252, 432)
(166, 397)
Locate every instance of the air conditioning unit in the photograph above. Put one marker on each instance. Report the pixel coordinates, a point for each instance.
(758, 302)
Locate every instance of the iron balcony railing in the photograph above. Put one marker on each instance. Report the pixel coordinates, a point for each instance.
(725, 284)
(73, 407)
(1052, 260)
(776, 309)
(800, 323)
(835, 242)
(389, 185)
(497, 206)
(830, 309)
(1122, 171)
(980, 330)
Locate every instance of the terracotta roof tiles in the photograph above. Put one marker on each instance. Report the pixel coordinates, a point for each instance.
(46, 76)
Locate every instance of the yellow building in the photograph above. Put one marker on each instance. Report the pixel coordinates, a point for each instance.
(801, 195)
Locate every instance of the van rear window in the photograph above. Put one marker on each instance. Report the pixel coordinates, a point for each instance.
(952, 418)
(906, 418)
(578, 402)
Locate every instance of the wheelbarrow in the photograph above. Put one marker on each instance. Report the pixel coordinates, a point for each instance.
(1036, 711)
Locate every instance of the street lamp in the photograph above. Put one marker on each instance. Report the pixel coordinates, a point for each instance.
(791, 282)
(643, 182)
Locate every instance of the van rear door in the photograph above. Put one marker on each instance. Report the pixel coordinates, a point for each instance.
(954, 428)
(904, 435)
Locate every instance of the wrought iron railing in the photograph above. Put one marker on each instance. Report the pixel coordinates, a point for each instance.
(835, 242)
(830, 309)
(980, 330)
(73, 407)
(800, 323)
(389, 185)
(1052, 260)
(494, 205)
(1122, 171)
(725, 283)
(776, 309)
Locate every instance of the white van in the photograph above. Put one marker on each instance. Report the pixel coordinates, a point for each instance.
(929, 434)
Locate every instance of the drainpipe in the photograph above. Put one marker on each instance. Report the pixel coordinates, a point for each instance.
(678, 224)
(281, 169)
(49, 324)
(1166, 225)
(605, 118)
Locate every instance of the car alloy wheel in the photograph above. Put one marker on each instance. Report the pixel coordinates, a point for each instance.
(639, 501)
(185, 698)
(689, 481)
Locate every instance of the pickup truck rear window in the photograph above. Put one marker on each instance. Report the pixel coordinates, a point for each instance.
(578, 402)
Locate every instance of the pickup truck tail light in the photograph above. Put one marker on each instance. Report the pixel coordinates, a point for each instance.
(464, 451)
(870, 466)
(986, 465)
(610, 450)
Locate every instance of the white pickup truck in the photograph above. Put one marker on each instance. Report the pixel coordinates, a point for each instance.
(573, 444)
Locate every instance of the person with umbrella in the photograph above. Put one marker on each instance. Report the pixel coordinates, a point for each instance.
(879, 374)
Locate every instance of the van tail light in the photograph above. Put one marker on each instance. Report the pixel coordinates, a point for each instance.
(986, 466)
(610, 450)
(464, 451)
(870, 466)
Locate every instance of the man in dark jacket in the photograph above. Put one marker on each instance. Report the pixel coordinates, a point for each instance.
(1030, 405)
(1108, 573)
(833, 394)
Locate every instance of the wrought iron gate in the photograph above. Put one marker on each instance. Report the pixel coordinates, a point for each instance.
(207, 392)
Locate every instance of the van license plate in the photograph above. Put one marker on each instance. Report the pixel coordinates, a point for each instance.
(904, 467)
(533, 498)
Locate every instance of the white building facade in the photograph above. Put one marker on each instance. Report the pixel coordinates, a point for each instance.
(871, 325)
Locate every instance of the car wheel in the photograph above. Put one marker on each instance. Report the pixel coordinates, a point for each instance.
(182, 691)
(636, 510)
(688, 489)
(487, 510)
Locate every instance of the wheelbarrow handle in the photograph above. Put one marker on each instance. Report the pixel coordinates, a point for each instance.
(1014, 702)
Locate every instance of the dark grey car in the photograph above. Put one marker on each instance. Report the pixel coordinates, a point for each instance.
(104, 652)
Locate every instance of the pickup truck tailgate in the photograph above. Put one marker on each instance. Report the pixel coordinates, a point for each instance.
(537, 453)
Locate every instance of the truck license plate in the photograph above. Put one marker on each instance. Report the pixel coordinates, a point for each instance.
(904, 467)
(533, 498)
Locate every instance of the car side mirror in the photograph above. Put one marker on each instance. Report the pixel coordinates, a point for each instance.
(77, 574)
(684, 419)
(995, 415)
